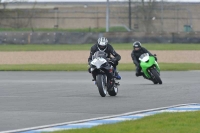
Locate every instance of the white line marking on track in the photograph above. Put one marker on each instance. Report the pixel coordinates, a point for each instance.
(108, 119)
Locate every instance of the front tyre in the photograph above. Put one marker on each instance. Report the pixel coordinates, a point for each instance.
(157, 77)
(101, 84)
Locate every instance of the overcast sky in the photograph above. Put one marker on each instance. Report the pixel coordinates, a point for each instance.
(95, 0)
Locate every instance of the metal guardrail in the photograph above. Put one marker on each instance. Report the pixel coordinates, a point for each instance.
(83, 38)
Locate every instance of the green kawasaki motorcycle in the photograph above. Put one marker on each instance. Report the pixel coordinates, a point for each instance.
(150, 68)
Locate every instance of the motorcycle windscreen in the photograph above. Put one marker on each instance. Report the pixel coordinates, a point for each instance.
(144, 57)
(99, 54)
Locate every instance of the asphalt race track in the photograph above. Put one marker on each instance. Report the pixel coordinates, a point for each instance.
(29, 99)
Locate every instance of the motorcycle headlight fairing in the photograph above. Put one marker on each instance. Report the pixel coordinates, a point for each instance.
(98, 62)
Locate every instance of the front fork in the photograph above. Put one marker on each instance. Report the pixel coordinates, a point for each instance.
(109, 73)
(150, 75)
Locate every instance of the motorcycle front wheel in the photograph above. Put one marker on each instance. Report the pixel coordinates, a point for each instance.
(101, 84)
(156, 75)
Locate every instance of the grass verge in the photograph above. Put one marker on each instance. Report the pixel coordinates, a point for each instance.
(84, 67)
(165, 66)
(185, 122)
(89, 29)
(121, 46)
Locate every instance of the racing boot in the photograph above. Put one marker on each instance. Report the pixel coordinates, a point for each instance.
(95, 82)
(117, 76)
(139, 74)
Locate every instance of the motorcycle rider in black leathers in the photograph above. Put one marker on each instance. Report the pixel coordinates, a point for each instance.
(138, 50)
(103, 45)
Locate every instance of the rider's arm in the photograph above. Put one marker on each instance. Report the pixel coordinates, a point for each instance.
(91, 54)
(114, 53)
(134, 59)
(146, 51)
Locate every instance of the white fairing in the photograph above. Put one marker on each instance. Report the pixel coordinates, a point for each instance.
(98, 62)
(144, 57)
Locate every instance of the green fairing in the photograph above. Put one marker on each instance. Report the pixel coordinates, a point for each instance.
(146, 65)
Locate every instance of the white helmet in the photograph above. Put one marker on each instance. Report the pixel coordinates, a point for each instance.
(137, 45)
(102, 43)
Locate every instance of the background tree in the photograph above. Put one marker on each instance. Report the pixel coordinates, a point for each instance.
(17, 17)
(145, 12)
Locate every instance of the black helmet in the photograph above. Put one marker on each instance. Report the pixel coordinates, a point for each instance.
(102, 43)
(137, 44)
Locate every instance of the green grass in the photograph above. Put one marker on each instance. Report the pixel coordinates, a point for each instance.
(185, 122)
(164, 66)
(44, 67)
(122, 46)
(179, 66)
(111, 29)
(84, 67)
(44, 47)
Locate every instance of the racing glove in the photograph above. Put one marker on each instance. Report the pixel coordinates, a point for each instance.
(113, 60)
(155, 58)
(89, 64)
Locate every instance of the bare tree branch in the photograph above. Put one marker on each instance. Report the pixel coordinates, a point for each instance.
(146, 11)
(18, 18)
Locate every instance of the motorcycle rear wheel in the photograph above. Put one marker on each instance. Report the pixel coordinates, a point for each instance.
(114, 91)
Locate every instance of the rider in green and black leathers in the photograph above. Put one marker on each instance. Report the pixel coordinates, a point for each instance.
(103, 45)
(138, 50)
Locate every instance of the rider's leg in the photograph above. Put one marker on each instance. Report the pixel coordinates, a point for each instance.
(138, 71)
(116, 72)
(94, 75)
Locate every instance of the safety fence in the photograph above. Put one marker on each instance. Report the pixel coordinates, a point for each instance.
(82, 38)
